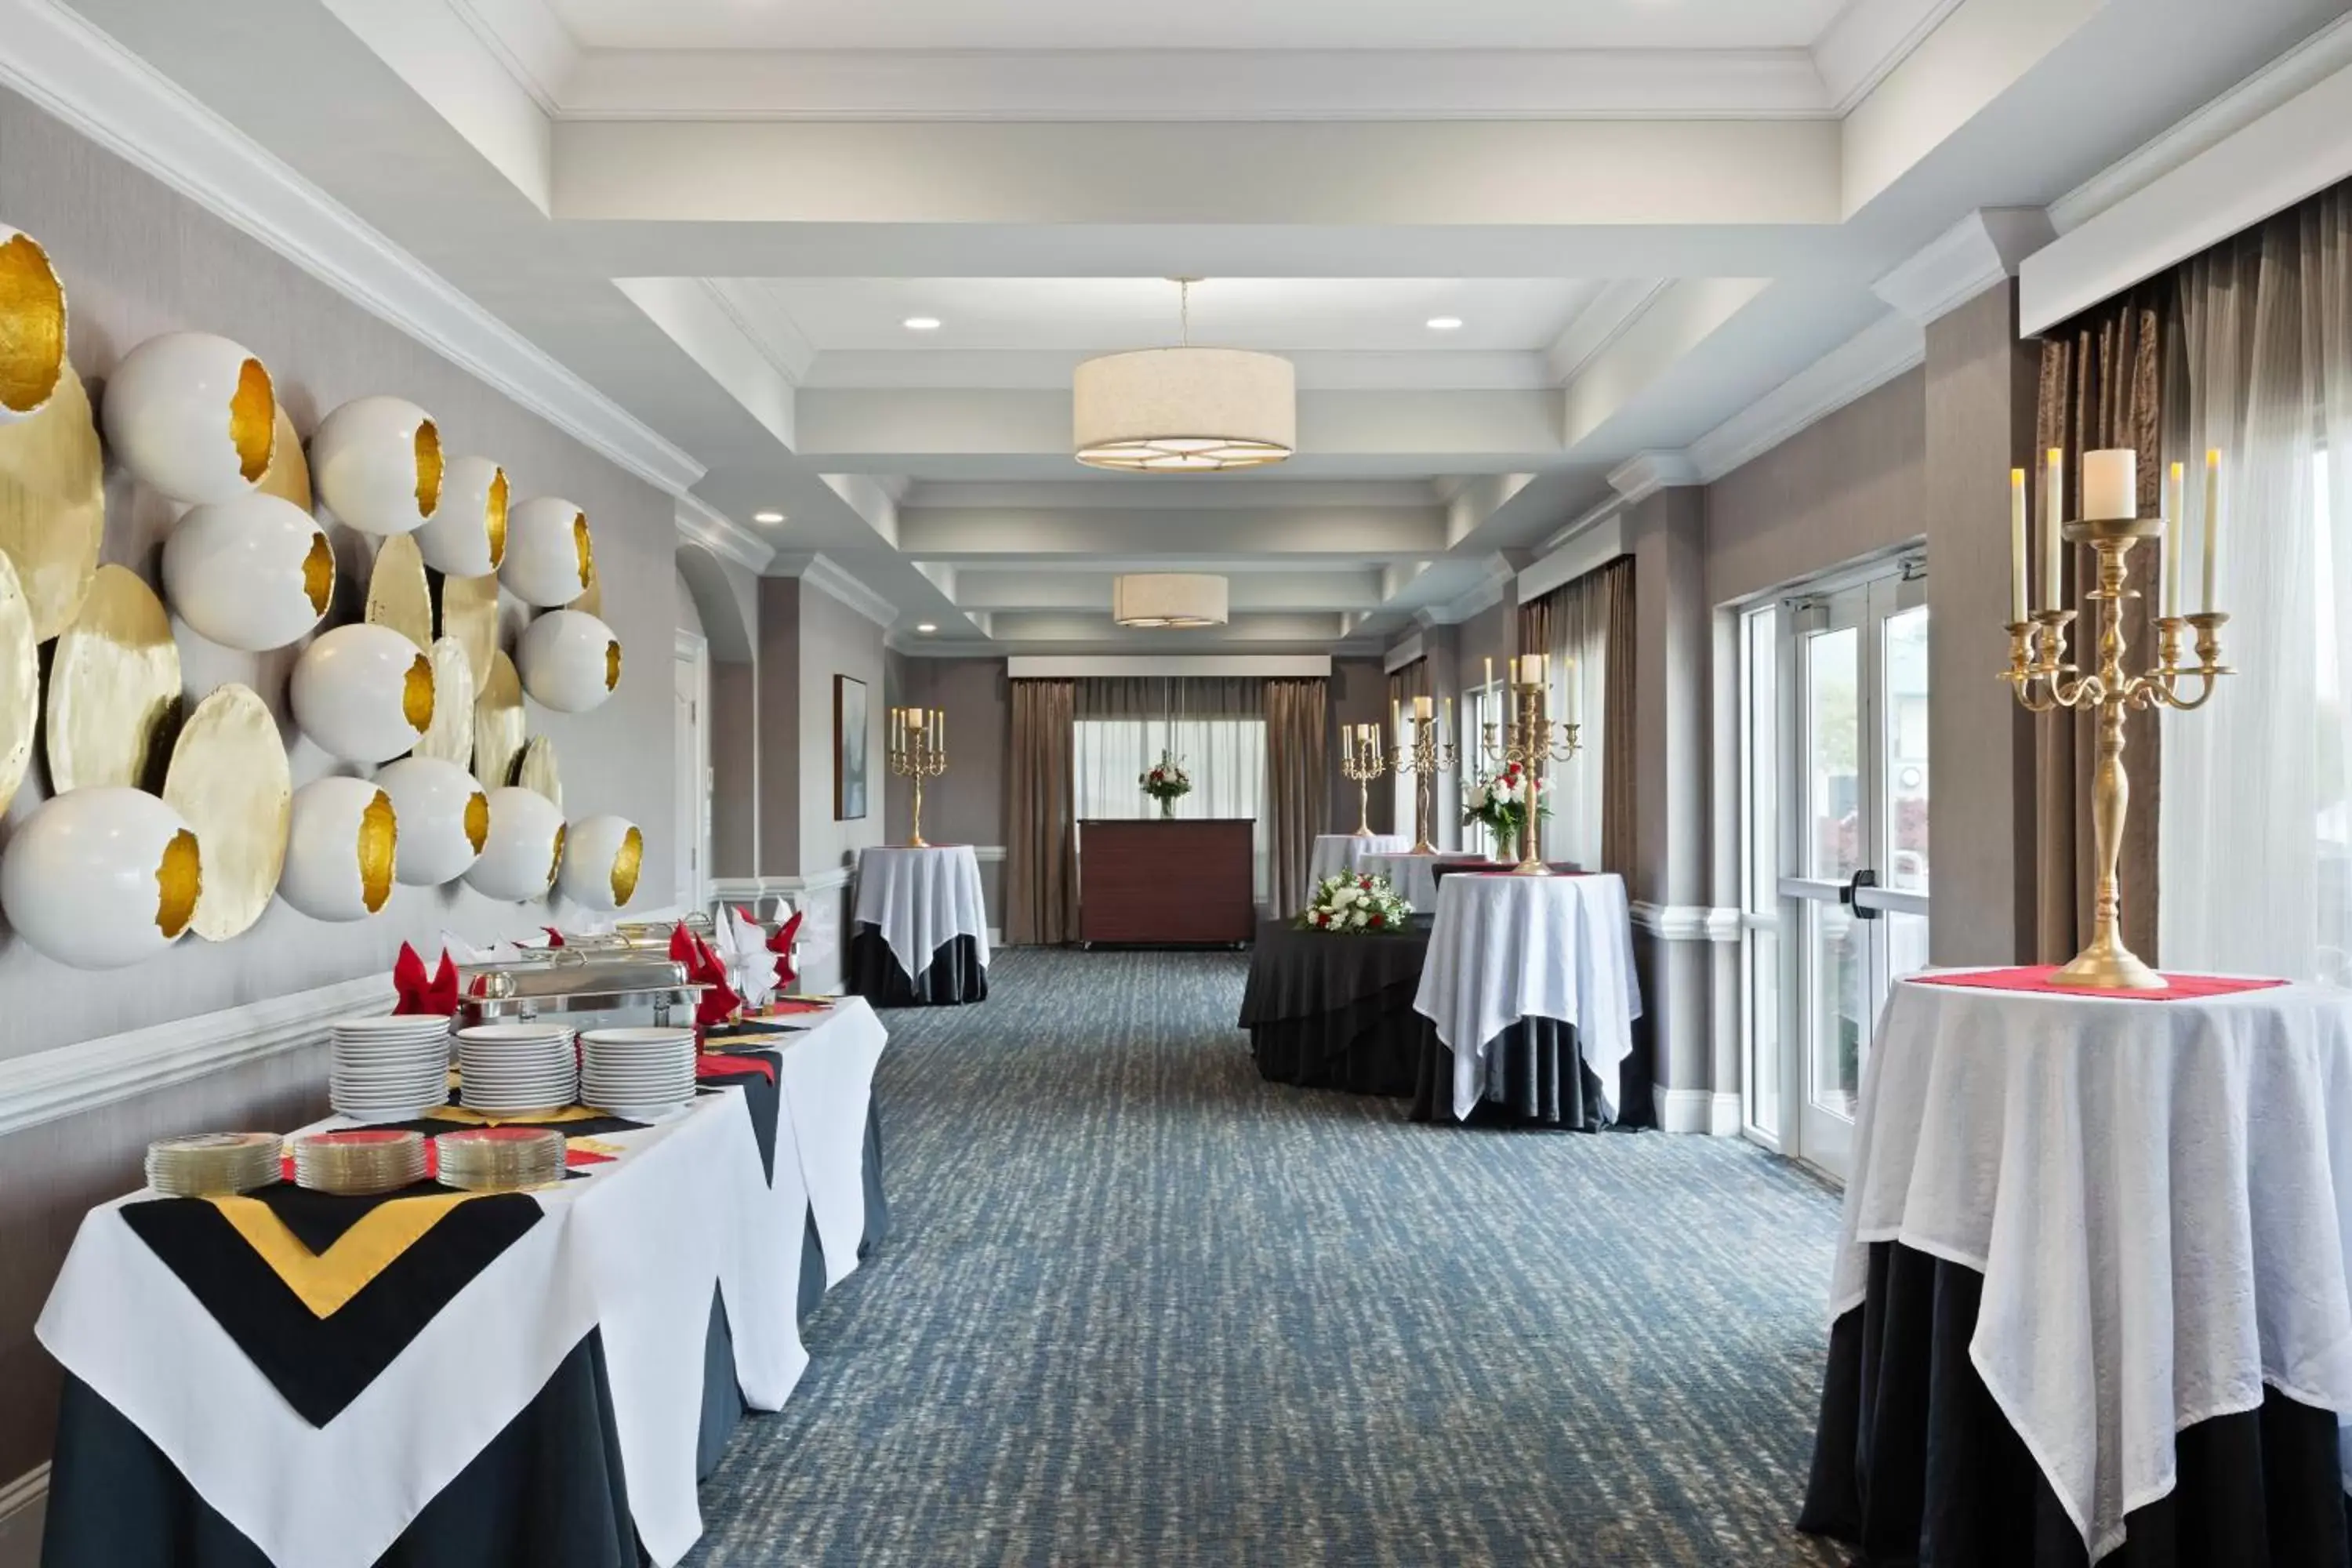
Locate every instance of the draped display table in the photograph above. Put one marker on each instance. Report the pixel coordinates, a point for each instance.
(1336, 1012)
(1531, 987)
(918, 937)
(521, 1378)
(1415, 877)
(2092, 1298)
(1337, 852)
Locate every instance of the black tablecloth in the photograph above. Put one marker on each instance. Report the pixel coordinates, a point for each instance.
(548, 1491)
(1546, 1082)
(1336, 1012)
(1913, 1462)
(955, 976)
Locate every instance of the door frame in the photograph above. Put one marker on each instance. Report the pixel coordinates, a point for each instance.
(690, 875)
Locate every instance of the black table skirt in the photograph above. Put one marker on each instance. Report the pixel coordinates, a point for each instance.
(1915, 1463)
(1546, 1082)
(1336, 1012)
(955, 976)
(548, 1491)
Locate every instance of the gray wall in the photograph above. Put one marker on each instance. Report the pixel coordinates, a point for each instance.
(1359, 695)
(966, 805)
(836, 640)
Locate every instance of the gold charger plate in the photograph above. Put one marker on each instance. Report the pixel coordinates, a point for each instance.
(114, 686)
(230, 780)
(498, 724)
(538, 770)
(397, 594)
(450, 736)
(20, 681)
(469, 613)
(289, 475)
(53, 504)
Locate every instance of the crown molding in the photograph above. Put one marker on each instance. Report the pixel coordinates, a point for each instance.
(1972, 256)
(766, 325)
(528, 41)
(1867, 40)
(1484, 595)
(1863, 364)
(1645, 474)
(825, 575)
(688, 647)
(1600, 323)
(701, 523)
(85, 78)
(1402, 652)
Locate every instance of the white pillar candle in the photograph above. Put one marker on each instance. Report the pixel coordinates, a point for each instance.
(2110, 483)
(2212, 522)
(2176, 500)
(2017, 544)
(2054, 507)
(1421, 708)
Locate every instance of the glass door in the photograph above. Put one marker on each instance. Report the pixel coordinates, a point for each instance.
(1853, 785)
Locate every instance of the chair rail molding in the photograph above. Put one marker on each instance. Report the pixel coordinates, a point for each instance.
(1687, 922)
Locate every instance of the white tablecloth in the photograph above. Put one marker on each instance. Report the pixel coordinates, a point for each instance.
(1506, 948)
(2157, 1194)
(1338, 852)
(634, 1250)
(1412, 876)
(921, 899)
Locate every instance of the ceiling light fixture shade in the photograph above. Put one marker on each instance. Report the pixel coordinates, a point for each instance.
(1159, 599)
(1184, 410)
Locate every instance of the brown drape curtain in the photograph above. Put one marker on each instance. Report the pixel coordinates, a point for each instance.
(1151, 697)
(1298, 800)
(1539, 623)
(2101, 386)
(1405, 683)
(1618, 803)
(1040, 864)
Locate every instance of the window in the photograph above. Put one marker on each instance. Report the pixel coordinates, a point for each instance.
(1224, 758)
(1760, 878)
(1481, 706)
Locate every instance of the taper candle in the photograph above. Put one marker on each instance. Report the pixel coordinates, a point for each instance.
(2212, 522)
(1490, 669)
(1396, 719)
(2016, 544)
(2176, 500)
(2053, 509)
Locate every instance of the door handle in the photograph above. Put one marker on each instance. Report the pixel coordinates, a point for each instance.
(1865, 878)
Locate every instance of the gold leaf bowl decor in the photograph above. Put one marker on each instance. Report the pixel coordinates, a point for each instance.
(525, 846)
(570, 660)
(102, 878)
(362, 693)
(376, 462)
(255, 573)
(20, 681)
(343, 850)
(114, 686)
(53, 503)
(191, 415)
(445, 818)
(602, 859)
(468, 536)
(230, 781)
(550, 560)
(450, 737)
(32, 326)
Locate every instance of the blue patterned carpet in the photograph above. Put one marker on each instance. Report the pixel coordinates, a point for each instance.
(1138, 1306)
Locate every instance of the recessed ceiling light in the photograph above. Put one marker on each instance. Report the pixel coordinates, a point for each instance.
(1444, 323)
(921, 323)
(927, 627)
(767, 517)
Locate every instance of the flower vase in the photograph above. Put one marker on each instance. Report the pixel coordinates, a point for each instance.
(1167, 807)
(1506, 841)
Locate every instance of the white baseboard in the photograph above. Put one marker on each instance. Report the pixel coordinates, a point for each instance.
(24, 1504)
(1697, 1111)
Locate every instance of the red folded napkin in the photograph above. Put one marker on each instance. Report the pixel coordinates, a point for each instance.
(715, 1064)
(554, 937)
(781, 944)
(2177, 987)
(418, 994)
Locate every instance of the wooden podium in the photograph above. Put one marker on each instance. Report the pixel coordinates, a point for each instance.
(1156, 883)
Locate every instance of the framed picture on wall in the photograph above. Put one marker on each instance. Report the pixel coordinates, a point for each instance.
(848, 749)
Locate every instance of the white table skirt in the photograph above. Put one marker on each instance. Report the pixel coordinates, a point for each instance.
(1338, 852)
(2157, 1194)
(634, 1249)
(1415, 877)
(1506, 948)
(921, 899)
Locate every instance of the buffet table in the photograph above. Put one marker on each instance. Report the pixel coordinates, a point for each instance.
(1415, 877)
(918, 935)
(1531, 991)
(517, 1378)
(1328, 1011)
(2092, 1293)
(1337, 852)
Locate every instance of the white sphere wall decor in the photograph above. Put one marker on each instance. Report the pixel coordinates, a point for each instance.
(466, 537)
(32, 326)
(444, 815)
(341, 850)
(550, 559)
(101, 877)
(255, 573)
(570, 660)
(362, 693)
(526, 847)
(192, 416)
(376, 462)
(602, 859)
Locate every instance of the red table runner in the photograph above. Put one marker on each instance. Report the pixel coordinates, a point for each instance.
(2177, 987)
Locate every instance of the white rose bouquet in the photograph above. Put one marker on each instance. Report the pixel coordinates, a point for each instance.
(1353, 901)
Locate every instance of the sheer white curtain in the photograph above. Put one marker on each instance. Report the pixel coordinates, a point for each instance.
(2255, 841)
(1579, 681)
(1223, 756)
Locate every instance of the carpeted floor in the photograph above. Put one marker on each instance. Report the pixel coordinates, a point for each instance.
(1138, 1306)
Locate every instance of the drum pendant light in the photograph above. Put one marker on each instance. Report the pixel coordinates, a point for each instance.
(1184, 410)
(1159, 599)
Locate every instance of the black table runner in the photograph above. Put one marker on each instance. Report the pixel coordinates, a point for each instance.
(954, 976)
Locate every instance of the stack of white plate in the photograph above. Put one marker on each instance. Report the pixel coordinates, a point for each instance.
(207, 1164)
(389, 1068)
(637, 1072)
(515, 1070)
(359, 1163)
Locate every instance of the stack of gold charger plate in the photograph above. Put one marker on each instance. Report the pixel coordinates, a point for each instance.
(498, 1159)
(210, 1164)
(359, 1163)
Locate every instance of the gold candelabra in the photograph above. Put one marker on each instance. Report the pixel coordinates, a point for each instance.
(1424, 756)
(918, 751)
(2043, 681)
(1527, 741)
(1361, 760)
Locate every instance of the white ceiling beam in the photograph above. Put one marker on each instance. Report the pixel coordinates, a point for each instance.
(1342, 533)
(1316, 369)
(1863, 364)
(978, 587)
(445, 51)
(695, 317)
(1599, 324)
(1975, 254)
(1868, 39)
(1677, 321)
(1302, 629)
